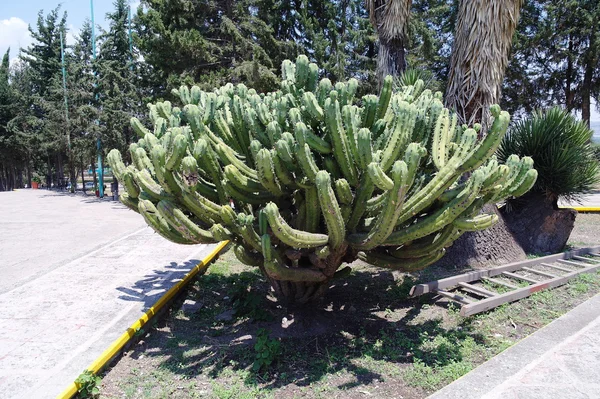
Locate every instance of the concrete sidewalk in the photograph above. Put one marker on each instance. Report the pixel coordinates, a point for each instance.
(562, 360)
(66, 294)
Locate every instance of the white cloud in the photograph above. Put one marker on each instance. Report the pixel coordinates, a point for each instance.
(14, 33)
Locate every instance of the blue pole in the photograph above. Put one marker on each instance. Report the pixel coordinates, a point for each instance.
(98, 142)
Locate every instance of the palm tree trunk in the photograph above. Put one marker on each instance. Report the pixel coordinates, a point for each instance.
(483, 38)
(484, 32)
(390, 19)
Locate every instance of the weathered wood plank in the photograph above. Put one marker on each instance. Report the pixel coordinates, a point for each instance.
(569, 262)
(518, 277)
(500, 282)
(455, 297)
(588, 260)
(490, 303)
(477, 290)
(539, 272)
(562, 269)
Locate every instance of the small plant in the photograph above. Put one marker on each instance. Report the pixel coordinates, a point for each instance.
(266, 349)
(248, 303)
(88, 384)
(36, 179)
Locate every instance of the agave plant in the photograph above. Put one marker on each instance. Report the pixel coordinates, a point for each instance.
(307, 178)
(562, 150)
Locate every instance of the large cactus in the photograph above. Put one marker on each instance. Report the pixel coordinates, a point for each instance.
(308, 177)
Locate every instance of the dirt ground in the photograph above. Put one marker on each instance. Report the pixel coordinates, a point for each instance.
(368, 339)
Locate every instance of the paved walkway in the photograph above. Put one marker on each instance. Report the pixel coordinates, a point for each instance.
(562, 360)
(76, 272)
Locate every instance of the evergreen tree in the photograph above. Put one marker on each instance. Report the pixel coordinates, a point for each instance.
(43, 58)
(120, 96)
(556, 57)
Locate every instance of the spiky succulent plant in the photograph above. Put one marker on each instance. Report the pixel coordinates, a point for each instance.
(307, 178)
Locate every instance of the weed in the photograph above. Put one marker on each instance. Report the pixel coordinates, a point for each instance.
(266, 350)
(88, 384)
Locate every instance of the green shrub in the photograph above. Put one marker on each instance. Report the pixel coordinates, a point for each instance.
(561, 149)
(307, 178)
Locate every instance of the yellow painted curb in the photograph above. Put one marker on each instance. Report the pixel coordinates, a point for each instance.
(585, 208)
(120, 342)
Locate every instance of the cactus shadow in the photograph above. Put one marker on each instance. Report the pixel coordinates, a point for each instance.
(365, 327)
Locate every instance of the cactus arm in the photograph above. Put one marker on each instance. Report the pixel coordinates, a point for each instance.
(384, 97)
(158, 224)
(266, 172)
(400, 135)
(364, 148)
(526, 184)
(442, 217)
(281, 171)
(129, 202)
(386, 220)
(138, 127)
(479, 222)
(204, 209)
(341, 150)
(344, 191)
(352, 125)
(290, 236)
(276, 271)
(227, 156)
(248, 257)
(440, 139)
(182, 224)
(428, 245)
(312, 209)
(331, 211)
(220, 232)
(306, 161)
(405, 265)
(363, 193)
(378, 176)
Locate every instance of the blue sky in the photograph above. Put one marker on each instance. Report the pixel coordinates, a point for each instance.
(15, 16)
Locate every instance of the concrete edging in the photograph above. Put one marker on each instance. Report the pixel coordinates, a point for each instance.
(120, 342)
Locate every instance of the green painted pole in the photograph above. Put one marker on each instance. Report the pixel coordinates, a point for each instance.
(98, 142)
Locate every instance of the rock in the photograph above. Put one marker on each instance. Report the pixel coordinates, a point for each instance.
(225, 316)
(190, 306)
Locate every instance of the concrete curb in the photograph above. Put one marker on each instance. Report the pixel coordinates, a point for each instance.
(120, 342)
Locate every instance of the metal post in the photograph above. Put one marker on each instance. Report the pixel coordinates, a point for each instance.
(99, 142)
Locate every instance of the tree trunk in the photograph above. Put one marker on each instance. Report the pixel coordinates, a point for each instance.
(483, 38)
(538, 225)
(591, 60)
(484, 33)
(94, 173)
(390, 19)
(569, 95)
(82, 176)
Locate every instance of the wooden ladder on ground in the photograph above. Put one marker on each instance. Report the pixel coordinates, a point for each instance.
(481, 290)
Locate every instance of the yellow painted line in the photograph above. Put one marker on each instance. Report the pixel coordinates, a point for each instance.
(120, 342)
(584, 208)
